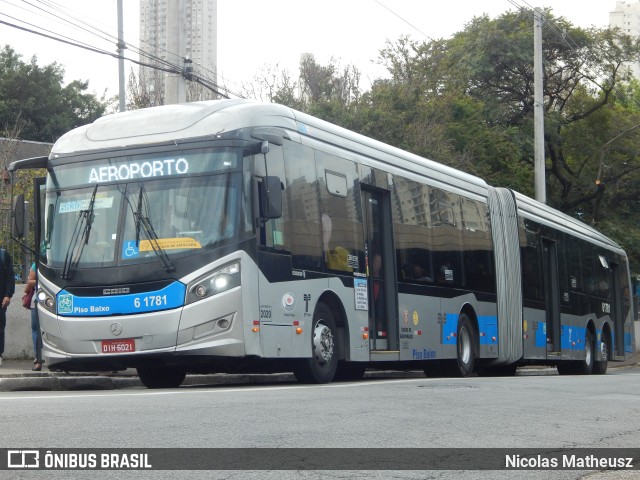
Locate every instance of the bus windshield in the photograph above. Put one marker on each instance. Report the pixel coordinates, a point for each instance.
(143, 220)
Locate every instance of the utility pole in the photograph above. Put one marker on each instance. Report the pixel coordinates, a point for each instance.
(538, 109)
(121, 47)
(174, 84)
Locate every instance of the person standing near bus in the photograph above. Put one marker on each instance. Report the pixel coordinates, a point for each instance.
(35, 323)
(7, 289)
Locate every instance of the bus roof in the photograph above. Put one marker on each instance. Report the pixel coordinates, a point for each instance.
(175, 123)
(545, 214)
(183, 122)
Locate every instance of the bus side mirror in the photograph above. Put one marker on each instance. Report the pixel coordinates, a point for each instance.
(17, 226)
(271, 198)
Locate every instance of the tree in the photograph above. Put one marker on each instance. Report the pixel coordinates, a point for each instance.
(467, 101)
(37, 96)
(473, 95)
(583, 70)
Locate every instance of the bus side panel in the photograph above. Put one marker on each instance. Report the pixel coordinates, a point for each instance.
(357, 319)
(534, 334)
(420, 330)
(486, 321)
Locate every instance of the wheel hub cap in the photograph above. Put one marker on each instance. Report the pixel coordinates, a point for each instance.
(322, 343)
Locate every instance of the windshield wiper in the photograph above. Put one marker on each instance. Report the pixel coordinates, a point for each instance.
(143, 220)
(80, 237)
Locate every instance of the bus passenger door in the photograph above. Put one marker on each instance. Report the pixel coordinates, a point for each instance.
(551, 295)
(380, 258)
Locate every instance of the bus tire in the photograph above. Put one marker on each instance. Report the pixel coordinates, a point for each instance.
(322, 366)
(466, 346)
(600, 366)
(161, 377)
(585, 367)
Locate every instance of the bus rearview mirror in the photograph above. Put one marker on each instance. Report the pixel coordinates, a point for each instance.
(271, 197)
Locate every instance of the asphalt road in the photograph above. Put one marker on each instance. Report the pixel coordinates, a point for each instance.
(532, 411)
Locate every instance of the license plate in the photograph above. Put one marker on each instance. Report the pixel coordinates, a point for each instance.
(119, 346)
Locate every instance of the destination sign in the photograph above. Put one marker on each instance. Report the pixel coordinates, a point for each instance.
(134, 170)
(144, 167)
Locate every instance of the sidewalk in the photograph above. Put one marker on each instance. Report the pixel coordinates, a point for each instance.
(16, 375)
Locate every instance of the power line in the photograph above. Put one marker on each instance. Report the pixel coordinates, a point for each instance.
(173, 69)
(159, 63)
(405, 20)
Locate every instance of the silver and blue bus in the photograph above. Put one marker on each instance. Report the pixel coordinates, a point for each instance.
(231, 235)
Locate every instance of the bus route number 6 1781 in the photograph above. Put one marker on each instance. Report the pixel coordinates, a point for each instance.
(150, 301)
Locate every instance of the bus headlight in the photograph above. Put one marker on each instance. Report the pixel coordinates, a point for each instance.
(221, 280)
(46, 299)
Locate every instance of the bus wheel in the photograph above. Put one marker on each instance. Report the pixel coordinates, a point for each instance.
(466, 346)
(585, 367)
(161, 377)
(600, 366)
(321, 367)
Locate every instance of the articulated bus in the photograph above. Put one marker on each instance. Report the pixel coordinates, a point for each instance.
(231, 235)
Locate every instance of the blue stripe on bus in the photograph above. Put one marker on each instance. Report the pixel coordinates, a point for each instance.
(171, 296)
(628, 344)
(541, 335)
(487, 326)
(571, 337)
(450, 329)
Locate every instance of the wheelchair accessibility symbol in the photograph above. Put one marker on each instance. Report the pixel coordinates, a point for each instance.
(129, 249)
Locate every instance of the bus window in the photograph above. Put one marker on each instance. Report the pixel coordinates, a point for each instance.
(588, 258)
(531, 274)
(274, 233)
(574, 264)
(602, 274)
(412, 233)
(563, 276)
(340, 218)
(478, 264)
(302, 195)
(446, 236)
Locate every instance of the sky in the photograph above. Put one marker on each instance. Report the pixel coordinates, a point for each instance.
(255, 34)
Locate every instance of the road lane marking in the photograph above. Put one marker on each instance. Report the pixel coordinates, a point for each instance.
(200, 388)
(205, 388)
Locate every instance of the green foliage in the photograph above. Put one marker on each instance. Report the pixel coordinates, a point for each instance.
(467, 101)
(36, 96)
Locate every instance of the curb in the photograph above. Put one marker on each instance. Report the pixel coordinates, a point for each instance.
(55, 383)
